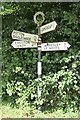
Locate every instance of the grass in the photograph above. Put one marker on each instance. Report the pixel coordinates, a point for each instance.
(8, 112)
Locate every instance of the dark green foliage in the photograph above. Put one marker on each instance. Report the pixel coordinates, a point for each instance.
(61, 69)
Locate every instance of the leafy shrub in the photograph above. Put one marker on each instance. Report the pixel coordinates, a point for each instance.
(61, 74)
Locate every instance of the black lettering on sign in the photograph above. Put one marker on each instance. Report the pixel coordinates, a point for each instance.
(27, 38)
(52, 46)
(46, 28)
(17, 35)
(21, 36)
(27, 42)
(45, 47)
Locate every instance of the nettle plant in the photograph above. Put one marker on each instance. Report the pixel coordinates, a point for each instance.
(58, 90)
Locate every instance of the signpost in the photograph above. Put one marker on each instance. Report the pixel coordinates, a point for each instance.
(39, 69)
(27, 40)
(56, 46)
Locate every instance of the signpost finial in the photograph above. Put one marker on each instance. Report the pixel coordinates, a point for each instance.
(39, 18)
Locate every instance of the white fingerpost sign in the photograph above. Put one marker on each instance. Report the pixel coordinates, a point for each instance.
(56, 46)
(24, 36)
(23, 44)
(48, 27)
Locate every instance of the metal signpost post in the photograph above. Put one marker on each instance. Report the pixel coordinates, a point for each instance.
(39, 68)
(27, 40)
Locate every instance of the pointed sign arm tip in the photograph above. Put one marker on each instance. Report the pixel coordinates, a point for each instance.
(11, 44)
(68, 45)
